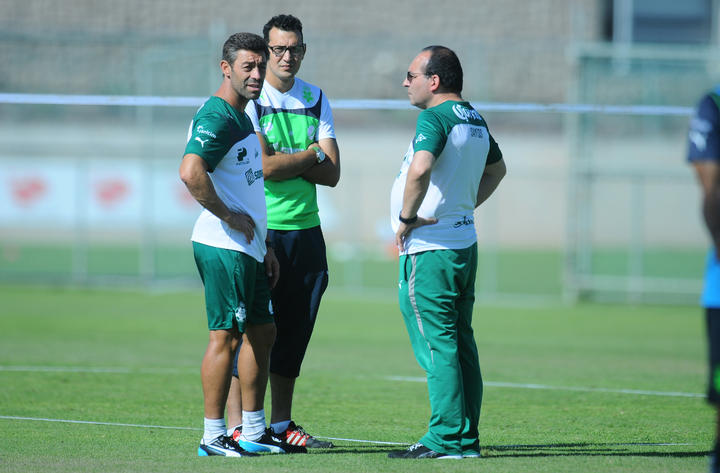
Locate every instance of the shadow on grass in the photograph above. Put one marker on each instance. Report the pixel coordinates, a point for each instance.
(589, 449)
(542, 450)
(352, 449)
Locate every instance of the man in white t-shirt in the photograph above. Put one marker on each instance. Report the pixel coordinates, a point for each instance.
(222, 169)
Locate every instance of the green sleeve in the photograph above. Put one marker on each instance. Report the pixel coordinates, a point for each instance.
(494, 153)
(209, 138)
(430, 135)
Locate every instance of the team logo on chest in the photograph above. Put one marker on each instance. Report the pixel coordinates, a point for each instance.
(307, 94)
(242, 154)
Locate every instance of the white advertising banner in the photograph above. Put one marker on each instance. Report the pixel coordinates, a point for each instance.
(38, 193)
(98, 193)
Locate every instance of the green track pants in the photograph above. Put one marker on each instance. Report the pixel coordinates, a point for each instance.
(436, 294)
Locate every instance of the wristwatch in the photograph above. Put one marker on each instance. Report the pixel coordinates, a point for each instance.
(319, 154)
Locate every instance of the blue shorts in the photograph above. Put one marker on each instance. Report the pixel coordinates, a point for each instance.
(296, 297)
(711, 291)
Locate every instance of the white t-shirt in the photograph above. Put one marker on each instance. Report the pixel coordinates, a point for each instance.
(226, 140)
(459, 139)
(290, 122)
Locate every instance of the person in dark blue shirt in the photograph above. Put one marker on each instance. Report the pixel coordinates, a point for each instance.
(704, 156)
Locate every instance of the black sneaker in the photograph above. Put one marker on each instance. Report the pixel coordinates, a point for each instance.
(267, 443)
(296, 435)
(420, 451)
(223, 446)
(473, 451)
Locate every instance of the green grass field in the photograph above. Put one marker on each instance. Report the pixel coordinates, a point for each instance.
(529, 272)
(109, 381)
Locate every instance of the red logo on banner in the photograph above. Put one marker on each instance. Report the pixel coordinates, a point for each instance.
(111, 191)
(29, 190)
(184, 197)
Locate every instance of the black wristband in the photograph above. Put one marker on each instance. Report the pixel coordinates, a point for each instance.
(407, 221)
(268, 244)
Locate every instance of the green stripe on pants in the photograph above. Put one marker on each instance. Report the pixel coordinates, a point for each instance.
(436, 295)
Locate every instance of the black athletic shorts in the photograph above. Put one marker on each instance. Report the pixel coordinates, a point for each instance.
(712, 319)
(296, 297)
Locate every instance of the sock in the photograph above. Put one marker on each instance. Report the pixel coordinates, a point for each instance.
(231, 430)
(214, 428)
(280, 427)
(253, 425)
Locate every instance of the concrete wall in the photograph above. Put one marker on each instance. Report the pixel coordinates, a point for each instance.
(512, 50)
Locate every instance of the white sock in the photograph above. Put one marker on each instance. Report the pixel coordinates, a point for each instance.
(280, 427)
(253, 425)
(214, 428)
(231, 430)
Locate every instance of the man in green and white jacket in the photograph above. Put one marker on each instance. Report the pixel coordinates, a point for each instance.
(452, 166)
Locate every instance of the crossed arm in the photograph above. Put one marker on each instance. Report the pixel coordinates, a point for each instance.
(282, 166)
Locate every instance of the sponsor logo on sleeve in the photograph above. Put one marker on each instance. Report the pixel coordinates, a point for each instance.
(207, 133)
(699, 140)
(203, 131)
(699, 130)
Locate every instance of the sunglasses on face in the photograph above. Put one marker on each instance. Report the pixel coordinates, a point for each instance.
(412, 75)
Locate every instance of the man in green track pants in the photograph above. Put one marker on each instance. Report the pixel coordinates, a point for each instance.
(452, 166)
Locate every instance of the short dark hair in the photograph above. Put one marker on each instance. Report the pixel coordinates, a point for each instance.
(285, 23)
(246, 41)
(444, 63)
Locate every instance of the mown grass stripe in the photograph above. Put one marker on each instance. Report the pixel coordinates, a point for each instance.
(498, 384)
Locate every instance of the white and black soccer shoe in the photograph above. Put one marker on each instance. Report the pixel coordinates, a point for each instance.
(223, 446)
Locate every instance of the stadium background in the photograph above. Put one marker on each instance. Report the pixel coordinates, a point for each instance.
(596, 203)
